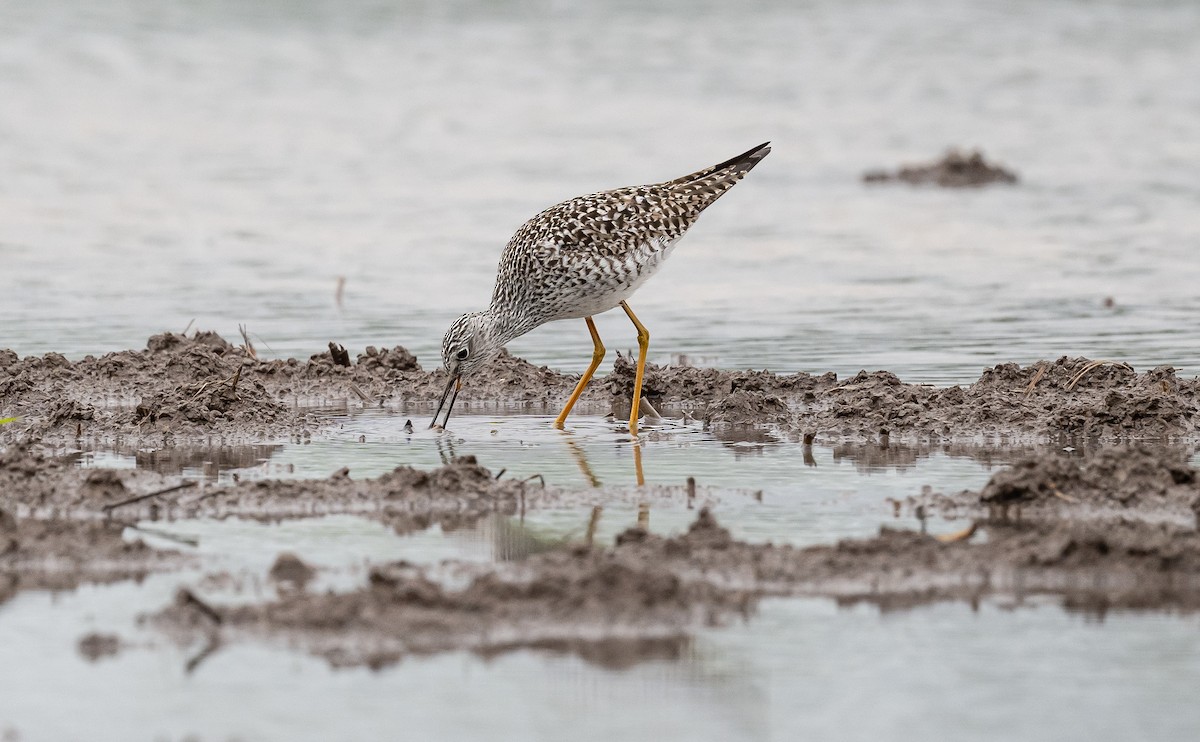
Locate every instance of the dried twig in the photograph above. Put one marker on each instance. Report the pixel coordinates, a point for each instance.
(185, 540)
(213, 645)
(337, 295)
(187, 599)
(1043, 367)
(1091, 367)
(246, 344)
(147, 496)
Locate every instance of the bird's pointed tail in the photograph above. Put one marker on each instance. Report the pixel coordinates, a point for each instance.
(711, 182)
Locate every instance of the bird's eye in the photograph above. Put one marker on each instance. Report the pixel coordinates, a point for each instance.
(462, 354)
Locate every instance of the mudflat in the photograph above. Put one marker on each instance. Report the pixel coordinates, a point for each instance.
(201, 387)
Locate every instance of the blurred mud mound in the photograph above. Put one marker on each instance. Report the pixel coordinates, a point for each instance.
(956, 169)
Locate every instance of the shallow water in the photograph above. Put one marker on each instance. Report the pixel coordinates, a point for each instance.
(225, 163)
(798, 667)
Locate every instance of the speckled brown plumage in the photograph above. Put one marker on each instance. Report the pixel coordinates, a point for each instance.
(586, 255)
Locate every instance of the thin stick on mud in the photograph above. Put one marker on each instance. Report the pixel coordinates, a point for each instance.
(1043, 367)
(185, 540)
(147, 496)
(212, 646)
(246, 344)
(187, 599)
(1091, 367)
(189, 326)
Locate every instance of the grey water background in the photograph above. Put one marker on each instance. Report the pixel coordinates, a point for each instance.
(226, 162)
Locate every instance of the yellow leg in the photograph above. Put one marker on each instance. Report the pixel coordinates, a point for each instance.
(643, 344)
(597, 357)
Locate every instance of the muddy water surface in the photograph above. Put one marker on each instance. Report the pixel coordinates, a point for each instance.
(796, 667)
(225, 163)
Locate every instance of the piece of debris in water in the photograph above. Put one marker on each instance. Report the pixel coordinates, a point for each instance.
(956, 169)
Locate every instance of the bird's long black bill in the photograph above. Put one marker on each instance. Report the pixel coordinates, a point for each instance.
(453, 385)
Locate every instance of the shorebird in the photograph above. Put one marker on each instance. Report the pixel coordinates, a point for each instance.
(580, 258)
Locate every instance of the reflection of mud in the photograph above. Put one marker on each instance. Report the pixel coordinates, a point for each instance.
(956, 169)
(607, 605)
(197, 387)
(872, 457)
(60, 554)
(206, 462)
(647, 587)
(193, 461)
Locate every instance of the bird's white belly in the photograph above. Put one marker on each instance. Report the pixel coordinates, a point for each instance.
(609, 292)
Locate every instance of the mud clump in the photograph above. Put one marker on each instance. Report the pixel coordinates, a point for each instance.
(185, 385)
(748, 408)
(1071, 398)
(291, 572)
(956, 169)
(1117, 483)
(396, 359)
(1125, 476)
(95, 647)
(207, 404)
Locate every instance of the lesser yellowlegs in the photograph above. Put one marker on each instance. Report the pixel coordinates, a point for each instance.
(580, 258)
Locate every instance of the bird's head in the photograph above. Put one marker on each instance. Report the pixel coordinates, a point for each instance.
(468, 345)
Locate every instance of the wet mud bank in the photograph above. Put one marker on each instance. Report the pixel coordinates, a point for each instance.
(1125, 483)
(61, 526)
(201, 387)
(36, 485)
(1071, 398)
